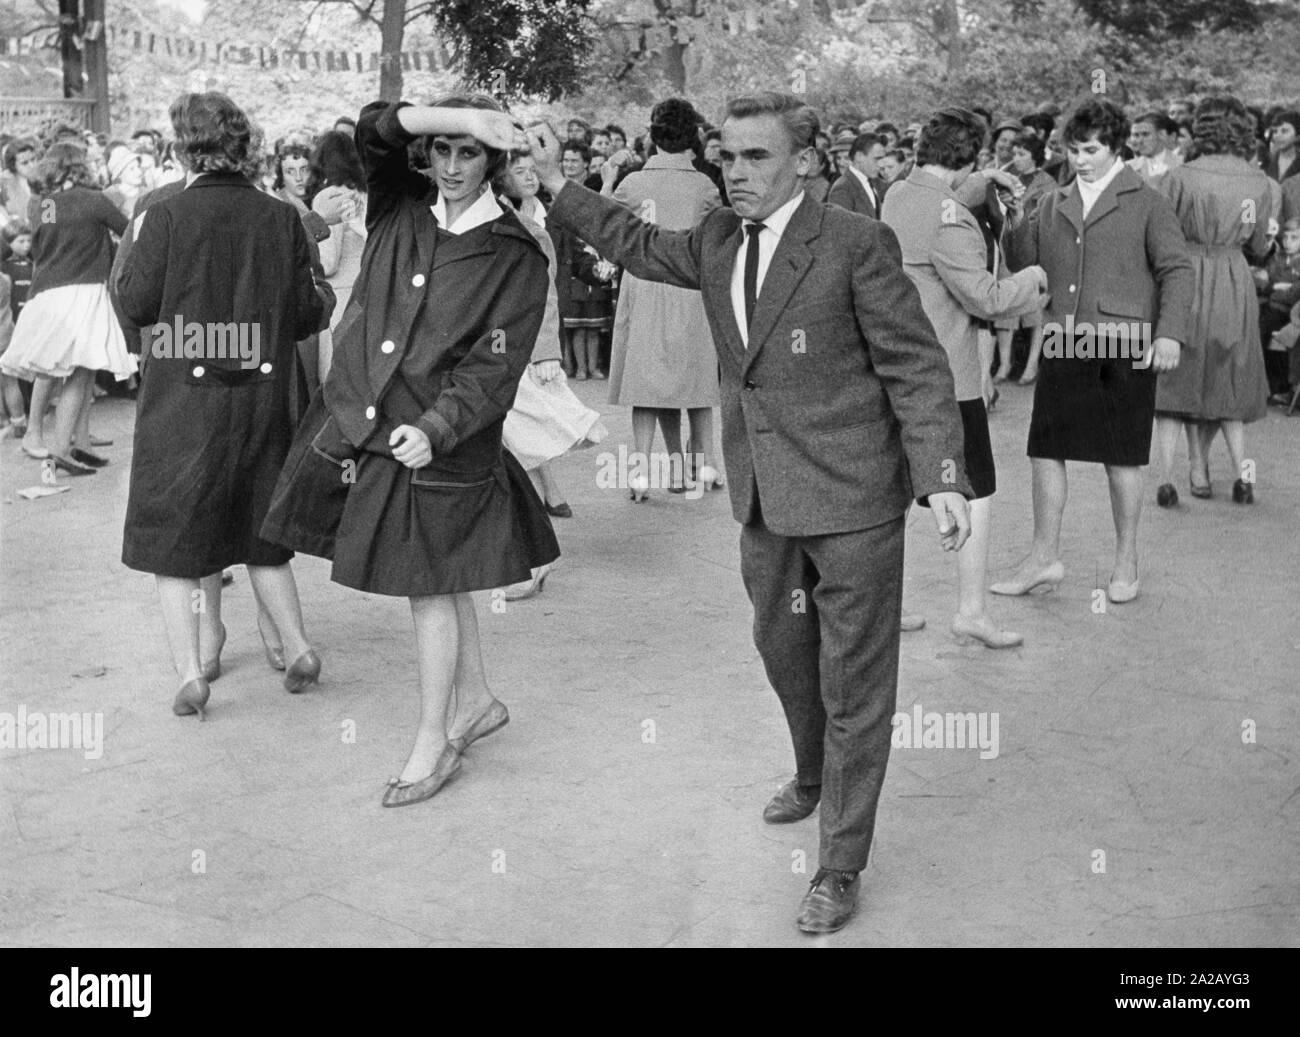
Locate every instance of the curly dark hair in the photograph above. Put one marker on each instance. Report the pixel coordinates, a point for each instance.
(1032, 143)
(1222, 126)
(576, 147)
(1104, 120)
(337, 163)
(674, 125)
(64, 161)
(212, 134)
(496, 160)
(952, 138)
(15, 148)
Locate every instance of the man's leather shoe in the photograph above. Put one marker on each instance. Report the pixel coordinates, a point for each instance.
(830, 902)
(793, 803)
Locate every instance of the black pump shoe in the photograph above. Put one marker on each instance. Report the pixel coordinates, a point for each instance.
(1166, 495)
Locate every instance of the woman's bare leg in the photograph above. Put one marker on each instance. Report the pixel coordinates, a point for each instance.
(472, 694)
(1035, 352)
(181, 621)
(1126, 508)
(670, 424)
(276, 589)
(1050, 491)
(437, 647)
(700, 444)
(1167, 429)
(75, 392)
(42, 387)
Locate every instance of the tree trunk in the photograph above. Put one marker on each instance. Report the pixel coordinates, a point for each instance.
(674, 64)
(97, 67)
(956, 42)
(391, 29)
(69, 16)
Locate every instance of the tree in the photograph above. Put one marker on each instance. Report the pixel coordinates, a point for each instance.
(1153, 19)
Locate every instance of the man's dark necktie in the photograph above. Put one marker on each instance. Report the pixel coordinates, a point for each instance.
(751, 272)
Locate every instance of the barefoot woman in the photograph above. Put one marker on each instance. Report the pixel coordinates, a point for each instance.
(397, 472)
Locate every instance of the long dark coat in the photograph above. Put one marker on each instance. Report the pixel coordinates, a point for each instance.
(437, 334)
(210, 434)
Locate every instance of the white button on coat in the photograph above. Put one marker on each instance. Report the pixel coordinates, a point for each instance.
(418, 280)
(198, 372)
(370, 413)
(266, 369)
(388, 345)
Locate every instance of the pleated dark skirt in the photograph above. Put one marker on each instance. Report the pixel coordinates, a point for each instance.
(1093, 410)
(393, 530)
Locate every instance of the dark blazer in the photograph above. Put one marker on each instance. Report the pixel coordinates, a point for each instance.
(842, 408)
(1138, 266)
(1270, 168)
(848, 193)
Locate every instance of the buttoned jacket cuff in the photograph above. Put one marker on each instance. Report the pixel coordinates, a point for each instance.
(442, 437)
(314, 224)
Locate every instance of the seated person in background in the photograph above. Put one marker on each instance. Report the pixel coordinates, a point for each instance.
(1278, 284)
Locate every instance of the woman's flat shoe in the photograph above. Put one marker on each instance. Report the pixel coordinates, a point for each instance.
(494, 718)
(1203, 492)
(304, 672)
(1167, 496)
(71, 466)
(910, 623)
(87, 457)
(192, 697)
(36, 453)
(639, 486)
(559, 510)
(274, 652)
(212, 667)
(1050, 578)
(1243, 492)
(966, 632)
(528, 588)
(709, 478)
(1119, 593)
(406, 793)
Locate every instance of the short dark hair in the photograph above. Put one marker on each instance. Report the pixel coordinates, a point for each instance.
(1040, 121)
(496, 160)
(1032, 143)
(63, 161)
(952, 139)
(614, 128)
(1159, 121)
(674, 125)
(983, 113)
(212, 133)
(1290, 115)
(15, 228)
(578, 147)
(15, 148)
(1222, 126)
(864, 142)
(294, 151)
(347, 119)
(800, 121)
(336, 162)
(1095, 117)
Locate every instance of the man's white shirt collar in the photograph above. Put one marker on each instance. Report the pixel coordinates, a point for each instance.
(485, 209)
(778, 220)
(864, 180)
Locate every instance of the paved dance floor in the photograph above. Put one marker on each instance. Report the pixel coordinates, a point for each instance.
(1143, 787)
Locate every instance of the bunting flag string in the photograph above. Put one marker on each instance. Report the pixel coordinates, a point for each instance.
(331, 61)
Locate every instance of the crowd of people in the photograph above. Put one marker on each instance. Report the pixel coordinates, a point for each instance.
(422, 282)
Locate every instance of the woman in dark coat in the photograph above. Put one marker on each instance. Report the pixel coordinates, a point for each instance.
(223, 274)
(1115, 257)
(397, 472)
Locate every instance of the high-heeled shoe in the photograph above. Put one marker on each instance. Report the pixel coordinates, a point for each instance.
(192, 697)
(1120, 593)
(528, 588)
(494, 718)
(965, 632)
(1243, 492)
(1050, 578)
(212, 667)
(993, 400)
(1166, 495)
(709, 478)
(406, 793)
(274, 652)
(639, 486)
(304, 672)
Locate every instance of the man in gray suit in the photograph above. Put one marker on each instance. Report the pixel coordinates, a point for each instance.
(860, 189)
(837, 409)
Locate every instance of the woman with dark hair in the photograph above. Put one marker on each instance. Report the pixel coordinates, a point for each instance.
(294, 182)
(336, 164)
(584, 306)
(397, 472)
(1223, 204)
(662, 358)
(221, 274)
(1115, 258)
(20, 157)
(67, 329)
(1027, 155)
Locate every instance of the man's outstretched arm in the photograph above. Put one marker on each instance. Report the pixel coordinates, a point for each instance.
(647, 251)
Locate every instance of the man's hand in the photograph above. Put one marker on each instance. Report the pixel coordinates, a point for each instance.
(544, 371)
(497, 130)
(952, 516)
(1164, 354)
(546, 151)
(410, 446)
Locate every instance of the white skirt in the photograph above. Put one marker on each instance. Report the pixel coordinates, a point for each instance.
(547, 421)
(65, 328)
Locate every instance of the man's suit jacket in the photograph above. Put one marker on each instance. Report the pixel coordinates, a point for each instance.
(848, 193)
(842, 408)
(944, 254)
(1270, 169)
